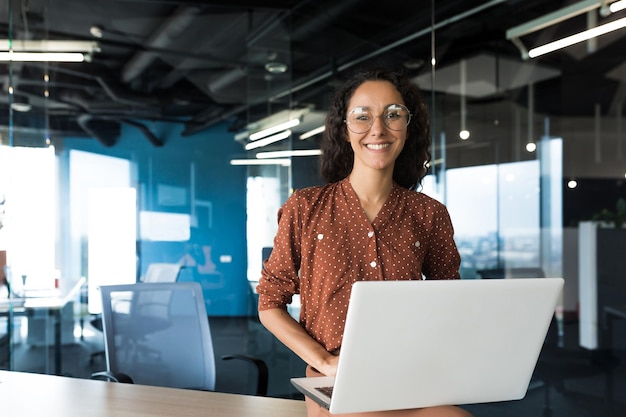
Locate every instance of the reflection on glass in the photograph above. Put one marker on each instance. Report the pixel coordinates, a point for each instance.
(495, 212)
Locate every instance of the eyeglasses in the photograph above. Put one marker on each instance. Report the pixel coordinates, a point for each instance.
(395, 117)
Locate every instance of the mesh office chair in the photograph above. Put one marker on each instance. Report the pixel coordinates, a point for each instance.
(158, 334)
(156, 272)
(162, 272)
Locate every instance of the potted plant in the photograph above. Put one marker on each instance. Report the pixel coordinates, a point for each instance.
(615, 218)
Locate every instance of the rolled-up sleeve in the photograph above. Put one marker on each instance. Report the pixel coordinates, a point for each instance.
(279, 276)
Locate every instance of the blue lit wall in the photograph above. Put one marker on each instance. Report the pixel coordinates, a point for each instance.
(222, 226)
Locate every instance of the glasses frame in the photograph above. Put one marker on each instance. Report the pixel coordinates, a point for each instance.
(385, 122)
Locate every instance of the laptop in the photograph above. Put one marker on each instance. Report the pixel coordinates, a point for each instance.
(414, 344)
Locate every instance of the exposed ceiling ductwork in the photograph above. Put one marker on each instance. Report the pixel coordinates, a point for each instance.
(197, 63)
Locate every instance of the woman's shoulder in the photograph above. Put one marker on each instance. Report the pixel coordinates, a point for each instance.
(423, 204)
(314, 193)
(418, 197)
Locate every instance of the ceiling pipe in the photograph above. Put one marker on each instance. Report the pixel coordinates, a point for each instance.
(161, 38)
(196, 125)
(107, 132)
(311, 25)
(320, 22)
(146, 132)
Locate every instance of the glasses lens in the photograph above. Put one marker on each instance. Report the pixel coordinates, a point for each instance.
(396, 117)
(359, 120)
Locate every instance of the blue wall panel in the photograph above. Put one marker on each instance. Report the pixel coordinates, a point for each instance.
(219, 188)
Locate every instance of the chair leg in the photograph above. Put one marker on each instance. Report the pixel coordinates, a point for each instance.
(547, 407)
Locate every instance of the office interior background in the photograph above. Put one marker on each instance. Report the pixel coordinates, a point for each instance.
(145, 150)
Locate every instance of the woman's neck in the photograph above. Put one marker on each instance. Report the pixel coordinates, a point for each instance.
(373, 188)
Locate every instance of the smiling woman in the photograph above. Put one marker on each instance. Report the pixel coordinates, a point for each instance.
(367, 223)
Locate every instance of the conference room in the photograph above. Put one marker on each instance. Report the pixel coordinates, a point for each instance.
(143, 133)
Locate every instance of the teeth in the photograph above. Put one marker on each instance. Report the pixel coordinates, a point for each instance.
(377, 146)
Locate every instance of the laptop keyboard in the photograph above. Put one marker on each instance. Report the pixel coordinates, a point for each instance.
(325, 390)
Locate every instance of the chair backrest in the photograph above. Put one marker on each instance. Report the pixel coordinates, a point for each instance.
(162, 272)
(159, 334)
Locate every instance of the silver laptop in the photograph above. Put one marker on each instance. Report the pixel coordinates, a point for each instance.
(413, 344)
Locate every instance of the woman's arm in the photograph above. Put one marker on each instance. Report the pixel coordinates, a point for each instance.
(292, 335)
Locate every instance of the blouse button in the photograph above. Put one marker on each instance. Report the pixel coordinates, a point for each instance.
(373, 264)
(370, 234)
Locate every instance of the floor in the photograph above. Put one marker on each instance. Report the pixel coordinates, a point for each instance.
(568, 381)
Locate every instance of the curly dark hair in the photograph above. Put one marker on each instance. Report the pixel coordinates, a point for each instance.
(337, 155)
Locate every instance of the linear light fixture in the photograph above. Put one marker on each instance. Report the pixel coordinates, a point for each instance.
(274, 129)
(281, 161)
(12, 56)
(267, 140)
(17, 45)
(12, 50)
(287, 154)
(617, 6)
(316, 131)
(577, 38)
(553, 18)
(560, 15)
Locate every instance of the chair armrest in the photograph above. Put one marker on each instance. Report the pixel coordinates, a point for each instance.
(262, 373)
(113, 376)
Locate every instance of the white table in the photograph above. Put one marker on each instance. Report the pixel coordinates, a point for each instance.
(51, 301)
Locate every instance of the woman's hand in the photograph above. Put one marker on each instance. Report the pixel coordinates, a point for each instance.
(292, 335)
(329, 365)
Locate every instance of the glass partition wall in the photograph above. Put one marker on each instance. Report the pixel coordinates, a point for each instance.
(507, 163)
(209, 200)
(28, 220)
(274, 123)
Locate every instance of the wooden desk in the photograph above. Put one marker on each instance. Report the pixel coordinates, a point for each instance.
(26, 394)
(51, 302)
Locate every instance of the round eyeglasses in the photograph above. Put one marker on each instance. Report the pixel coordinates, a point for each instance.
(395, 117)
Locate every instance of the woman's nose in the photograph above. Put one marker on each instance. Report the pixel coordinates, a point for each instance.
(378, 126)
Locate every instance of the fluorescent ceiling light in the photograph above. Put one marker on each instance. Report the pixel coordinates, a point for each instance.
(617, 6)
(46, 50)
(553, 18)
(284, 162)
(266, 141)
(316, 131)
(276, 128)
(287, 154)
(41, 57)
(579, 37)
(17, 45)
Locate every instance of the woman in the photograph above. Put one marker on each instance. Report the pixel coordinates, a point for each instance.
(367, 223)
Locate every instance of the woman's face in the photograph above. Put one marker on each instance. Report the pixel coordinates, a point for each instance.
(378, 147)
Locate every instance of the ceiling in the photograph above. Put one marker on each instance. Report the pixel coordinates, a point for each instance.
(198, 63)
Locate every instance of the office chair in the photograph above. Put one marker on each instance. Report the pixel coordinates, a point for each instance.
(162, 272)
(156, 272)
(159, 334)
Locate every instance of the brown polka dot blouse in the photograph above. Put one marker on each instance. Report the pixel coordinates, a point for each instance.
(325, 243)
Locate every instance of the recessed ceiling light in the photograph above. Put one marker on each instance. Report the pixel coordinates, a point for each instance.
(96, 31)
(276, 67)
(21, 104)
